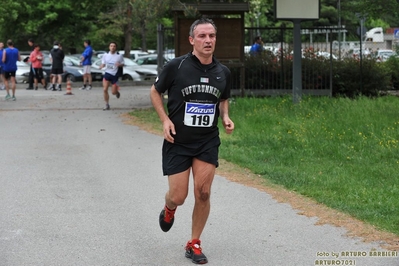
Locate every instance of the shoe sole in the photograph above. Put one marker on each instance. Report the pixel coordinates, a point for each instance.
(164, 225)
(203, 261)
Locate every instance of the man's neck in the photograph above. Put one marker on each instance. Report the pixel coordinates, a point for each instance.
(205, 60)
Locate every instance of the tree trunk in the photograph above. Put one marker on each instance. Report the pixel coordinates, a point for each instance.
(128, 32)
(143, 36)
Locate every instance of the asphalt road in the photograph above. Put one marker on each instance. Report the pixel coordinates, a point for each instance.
(78, 186)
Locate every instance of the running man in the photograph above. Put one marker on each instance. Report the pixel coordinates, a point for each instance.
(198, 89)
(10, 57)
(111, 61)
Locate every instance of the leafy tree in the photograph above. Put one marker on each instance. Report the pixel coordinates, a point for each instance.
(68, 21)
(129, 17)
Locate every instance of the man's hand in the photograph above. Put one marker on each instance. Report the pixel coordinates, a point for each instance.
(169, 131)
(228, 125)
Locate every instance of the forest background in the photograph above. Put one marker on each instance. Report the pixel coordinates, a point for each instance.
(133, 23)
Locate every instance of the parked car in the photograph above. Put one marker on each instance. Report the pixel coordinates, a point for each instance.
(326, 55)
(132, 71)
(169, 54)
(22, 73)
(72, 70)
(150, 61)
(356, 53)
(382, 55)
(134, 53)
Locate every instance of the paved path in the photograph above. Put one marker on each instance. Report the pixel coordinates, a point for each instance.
(78, 186)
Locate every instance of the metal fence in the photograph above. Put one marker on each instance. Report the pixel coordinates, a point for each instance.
(271, 73)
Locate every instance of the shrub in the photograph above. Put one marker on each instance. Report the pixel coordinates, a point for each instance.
(350, 77)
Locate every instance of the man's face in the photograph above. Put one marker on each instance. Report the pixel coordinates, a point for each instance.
(204, 39)
(112, 47)
(85, 44)
(1, 45)
(30, 43)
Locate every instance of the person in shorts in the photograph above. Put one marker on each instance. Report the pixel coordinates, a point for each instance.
(111, 62)
(198, 87)
(36, 58)
(2, 86)
(57, 66)
(85, 61)
(31, 43)
(10, 57)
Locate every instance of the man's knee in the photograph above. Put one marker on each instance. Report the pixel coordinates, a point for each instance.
(202, 194)
(177, 200)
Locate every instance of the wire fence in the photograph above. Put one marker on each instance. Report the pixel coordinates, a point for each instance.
(271, 72)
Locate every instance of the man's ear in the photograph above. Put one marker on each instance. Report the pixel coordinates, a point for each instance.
(191, 40)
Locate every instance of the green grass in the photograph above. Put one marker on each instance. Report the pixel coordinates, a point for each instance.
(342, 153)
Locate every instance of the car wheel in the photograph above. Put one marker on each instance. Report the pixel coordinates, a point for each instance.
(70, 77)
(127, 77)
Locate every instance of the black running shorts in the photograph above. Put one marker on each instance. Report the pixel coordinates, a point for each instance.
(57, 71)
(8, 75)
(177, 158)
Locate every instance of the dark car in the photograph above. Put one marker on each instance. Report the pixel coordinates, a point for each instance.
(72, 70)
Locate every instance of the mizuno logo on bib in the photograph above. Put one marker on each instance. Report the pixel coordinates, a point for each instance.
(199, 114)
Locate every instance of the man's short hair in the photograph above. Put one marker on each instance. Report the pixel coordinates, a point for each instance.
(31, 40)
(203, 20)
(87, 41)
(257, 38)
(10, 42)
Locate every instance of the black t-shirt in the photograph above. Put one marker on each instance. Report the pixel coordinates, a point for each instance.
(194, 93)
(57, 55)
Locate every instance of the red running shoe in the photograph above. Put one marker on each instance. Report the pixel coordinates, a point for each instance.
(166, 219)
(194, 252)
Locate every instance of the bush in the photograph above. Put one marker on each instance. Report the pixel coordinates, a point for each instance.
(351, 77)
(391, 67)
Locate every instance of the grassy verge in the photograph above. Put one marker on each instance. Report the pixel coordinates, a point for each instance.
(343, 153)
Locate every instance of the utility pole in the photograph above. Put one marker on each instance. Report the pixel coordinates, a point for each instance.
(339, 29)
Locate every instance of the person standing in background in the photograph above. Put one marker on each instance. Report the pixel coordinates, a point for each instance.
(36, 58)
(2, 86)
(257, 46)
(57, 65)
(10, 57)
(31, 43)
(86, 63)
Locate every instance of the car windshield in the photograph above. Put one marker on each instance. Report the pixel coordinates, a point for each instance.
(71, 61)
(387, 53)
(129, 62)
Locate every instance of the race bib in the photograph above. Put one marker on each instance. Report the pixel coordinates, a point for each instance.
(110, 66)
(199, 114)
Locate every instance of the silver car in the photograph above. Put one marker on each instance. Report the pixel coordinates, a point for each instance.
(132, 71)
(22, 73)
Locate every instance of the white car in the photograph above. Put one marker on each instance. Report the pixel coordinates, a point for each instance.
(383, 55)
(132, 71)
(150, 61)
(134, 53)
